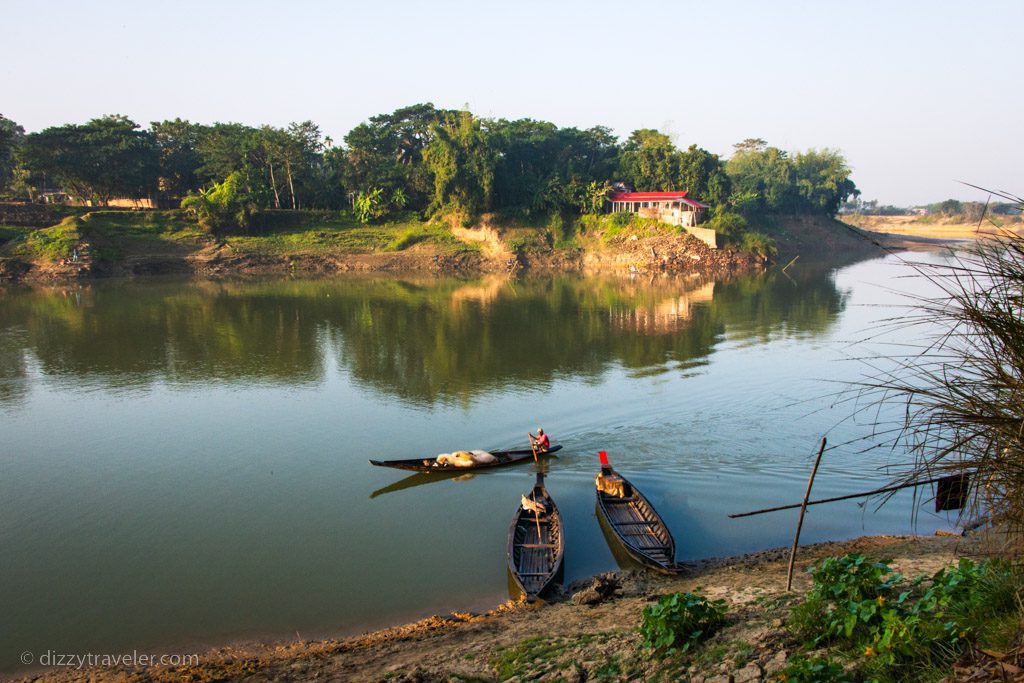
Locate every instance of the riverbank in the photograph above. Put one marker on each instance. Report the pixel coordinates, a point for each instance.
(104, 243)
(567, 640)
(934, 227)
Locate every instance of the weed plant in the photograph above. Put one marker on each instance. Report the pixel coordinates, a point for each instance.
(895, 628)
(679, 621)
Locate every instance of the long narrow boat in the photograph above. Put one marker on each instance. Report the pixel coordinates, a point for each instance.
(430, 464)
(536, 544)
(634, 522)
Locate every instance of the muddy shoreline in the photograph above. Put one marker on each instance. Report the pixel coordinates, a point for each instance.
(467, 646)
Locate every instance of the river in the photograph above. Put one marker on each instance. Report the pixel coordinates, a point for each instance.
(185, 463)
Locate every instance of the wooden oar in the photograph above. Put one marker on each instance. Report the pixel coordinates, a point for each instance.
(536, 516)
(533, 445)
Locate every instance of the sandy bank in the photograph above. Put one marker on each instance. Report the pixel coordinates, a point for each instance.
(563, 640)
(933, 228)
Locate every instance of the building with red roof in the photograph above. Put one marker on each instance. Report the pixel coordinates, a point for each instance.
(669, 207)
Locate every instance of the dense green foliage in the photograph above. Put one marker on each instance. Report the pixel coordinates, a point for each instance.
(429, 160)
(461, 161)
(766, 179)
(96, 161)
(679, 621)
(894, 627)
(651, 162)
(223, 206)
(10, 137)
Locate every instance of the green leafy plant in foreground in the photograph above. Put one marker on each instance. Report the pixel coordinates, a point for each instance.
(893, 626)
(679, 621)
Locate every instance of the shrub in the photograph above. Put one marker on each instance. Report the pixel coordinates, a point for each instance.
(760, 244)
(620, 219)
(223, 206)
(893, 625)
(814, 670)
(728, 223)
(680, 620)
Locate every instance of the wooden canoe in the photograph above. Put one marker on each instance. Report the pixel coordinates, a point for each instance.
(536, 544)
(637, 526)
(429, 464)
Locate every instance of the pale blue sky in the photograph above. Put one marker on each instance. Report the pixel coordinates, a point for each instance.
(916, 94)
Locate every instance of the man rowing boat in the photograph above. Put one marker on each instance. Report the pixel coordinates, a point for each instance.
(541, 442)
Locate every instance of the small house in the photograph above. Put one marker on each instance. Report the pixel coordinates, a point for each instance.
(669, 207)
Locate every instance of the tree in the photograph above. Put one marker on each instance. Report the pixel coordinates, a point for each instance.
(388, 152)
(822, 181)
(96, 161)
(764, 173)
(462, 165)
(595, 197)
(541, 168)
(177, 142)
(702, 175)
(950, 207)
(650, 162)
(11, 135)
(304, 162)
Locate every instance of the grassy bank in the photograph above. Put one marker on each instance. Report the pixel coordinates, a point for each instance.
(114, 237)
(122, 242)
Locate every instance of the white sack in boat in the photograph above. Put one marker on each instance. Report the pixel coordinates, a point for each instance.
(532, 506)
(456, 459)
(484, 458)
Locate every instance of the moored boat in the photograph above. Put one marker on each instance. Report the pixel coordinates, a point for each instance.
(536, 544)
(501, 459)
(633, 521)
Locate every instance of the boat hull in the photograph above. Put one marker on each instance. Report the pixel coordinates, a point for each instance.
(536, 545)
(638, 529)
(505, 458)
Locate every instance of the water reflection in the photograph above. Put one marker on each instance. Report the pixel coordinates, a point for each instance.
(425, 341)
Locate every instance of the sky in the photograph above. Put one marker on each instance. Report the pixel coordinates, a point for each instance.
(916, 95)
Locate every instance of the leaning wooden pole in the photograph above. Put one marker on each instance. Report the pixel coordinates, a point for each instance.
(800, 521)
(835, 499)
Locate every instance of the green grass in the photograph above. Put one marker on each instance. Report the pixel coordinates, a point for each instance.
(54, 243)
(528, 656)
(114, 234)
(11, 232)
(174, 226)
(432, 233)
(615, 227)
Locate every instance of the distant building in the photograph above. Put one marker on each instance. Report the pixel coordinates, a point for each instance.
(669, 207)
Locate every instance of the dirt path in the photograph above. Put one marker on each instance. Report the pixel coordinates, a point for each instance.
(560, 641)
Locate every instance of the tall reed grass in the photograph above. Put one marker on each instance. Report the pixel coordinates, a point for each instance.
(961, 394)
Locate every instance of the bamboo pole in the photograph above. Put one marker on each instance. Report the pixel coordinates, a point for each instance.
(862, 494)
(800, 521)
(533, 494)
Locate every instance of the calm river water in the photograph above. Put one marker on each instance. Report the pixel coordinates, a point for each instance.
(185, 463)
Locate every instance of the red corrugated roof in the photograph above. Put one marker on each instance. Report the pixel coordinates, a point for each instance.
(655, 197)
(694, 202)
(647, 196)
